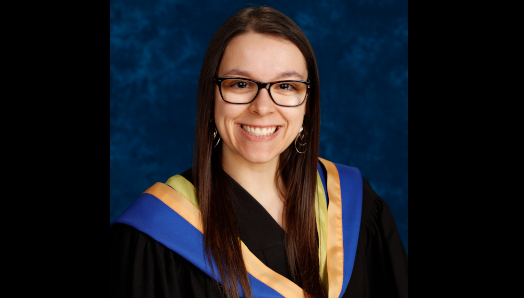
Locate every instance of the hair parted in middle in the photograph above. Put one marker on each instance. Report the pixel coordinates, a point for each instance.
(296, 177)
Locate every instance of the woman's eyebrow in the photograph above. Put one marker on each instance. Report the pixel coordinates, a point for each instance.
(283, 75)
(290, 74)
(237, 72)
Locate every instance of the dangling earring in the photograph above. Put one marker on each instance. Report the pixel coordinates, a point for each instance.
(300, 136)
(215, 136)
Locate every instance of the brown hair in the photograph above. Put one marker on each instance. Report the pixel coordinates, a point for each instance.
(296, 176)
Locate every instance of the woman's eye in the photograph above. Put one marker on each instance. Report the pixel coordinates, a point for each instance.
(240, 85)
(285, 87)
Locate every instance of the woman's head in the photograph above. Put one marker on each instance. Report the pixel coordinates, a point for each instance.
(259, 44)
(246, 42)
(259, 131)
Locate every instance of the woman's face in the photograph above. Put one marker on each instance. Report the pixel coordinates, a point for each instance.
(264, 59)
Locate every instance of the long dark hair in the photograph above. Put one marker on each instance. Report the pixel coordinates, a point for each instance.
(296, 176)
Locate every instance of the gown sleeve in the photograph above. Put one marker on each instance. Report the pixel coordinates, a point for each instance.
(381, 265)
(142, 267)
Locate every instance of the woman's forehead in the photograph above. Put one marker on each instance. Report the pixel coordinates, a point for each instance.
(263, 57)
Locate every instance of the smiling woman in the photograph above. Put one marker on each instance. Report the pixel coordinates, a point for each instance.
(259, 214)
(268, 59)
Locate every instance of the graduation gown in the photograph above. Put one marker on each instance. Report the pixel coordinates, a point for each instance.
(141, 266)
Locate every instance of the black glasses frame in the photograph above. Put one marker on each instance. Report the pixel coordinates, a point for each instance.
(261, 85)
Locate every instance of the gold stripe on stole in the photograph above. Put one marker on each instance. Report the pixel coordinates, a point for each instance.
(254, 266)
(178, 203)
(335, 242)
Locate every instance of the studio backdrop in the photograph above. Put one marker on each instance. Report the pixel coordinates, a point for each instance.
(157, 48)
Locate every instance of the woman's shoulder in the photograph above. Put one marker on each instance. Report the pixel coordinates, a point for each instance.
(372, 203)
(377, 217)
(151, 206)
(374, 208)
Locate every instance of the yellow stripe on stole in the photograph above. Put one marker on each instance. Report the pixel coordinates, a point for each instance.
(254, 266)
(335, 241)
(185, 188)
(321, 212)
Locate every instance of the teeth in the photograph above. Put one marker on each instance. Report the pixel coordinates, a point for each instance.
(259, 132)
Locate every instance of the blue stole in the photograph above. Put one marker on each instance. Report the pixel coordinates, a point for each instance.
(169, 218)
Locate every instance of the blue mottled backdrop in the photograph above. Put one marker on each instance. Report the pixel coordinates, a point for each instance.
(156, 50)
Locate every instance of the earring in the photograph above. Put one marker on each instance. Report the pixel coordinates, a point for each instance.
(215, 136)
(300, 136)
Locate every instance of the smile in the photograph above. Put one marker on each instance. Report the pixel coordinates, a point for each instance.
(259, 131)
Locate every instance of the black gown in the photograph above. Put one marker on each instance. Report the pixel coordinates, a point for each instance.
(142, 267)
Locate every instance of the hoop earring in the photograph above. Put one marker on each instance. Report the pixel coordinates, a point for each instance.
(215, 136)
(301, 137)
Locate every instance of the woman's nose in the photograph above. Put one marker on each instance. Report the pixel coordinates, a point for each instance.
(263, 105)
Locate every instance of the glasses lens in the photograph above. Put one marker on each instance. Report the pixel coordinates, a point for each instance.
(289, 93)
(238, 90)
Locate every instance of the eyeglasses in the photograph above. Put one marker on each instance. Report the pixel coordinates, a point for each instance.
(243, 91)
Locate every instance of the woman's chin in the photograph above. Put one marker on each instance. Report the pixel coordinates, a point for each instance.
(259, 156)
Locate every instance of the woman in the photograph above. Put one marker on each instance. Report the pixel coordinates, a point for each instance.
(268, 219)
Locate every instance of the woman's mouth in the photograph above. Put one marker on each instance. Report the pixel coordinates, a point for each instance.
(259, 131)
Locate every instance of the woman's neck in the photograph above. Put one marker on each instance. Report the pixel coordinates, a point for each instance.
(257, 179)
